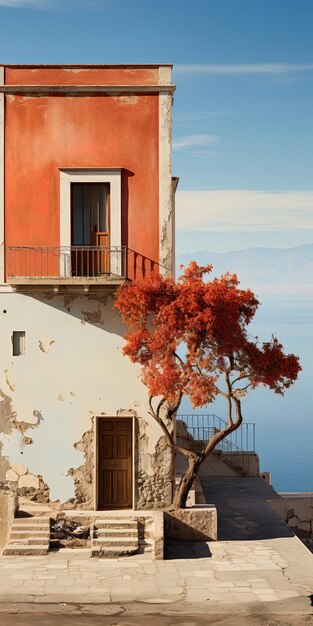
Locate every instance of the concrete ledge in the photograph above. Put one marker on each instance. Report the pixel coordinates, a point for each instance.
(296, 509)
(158, 518)
(8, 507)
(198, 523)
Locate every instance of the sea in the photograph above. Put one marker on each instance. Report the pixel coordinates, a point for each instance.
(284, 424)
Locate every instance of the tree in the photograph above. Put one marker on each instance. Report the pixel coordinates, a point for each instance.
(191, 336)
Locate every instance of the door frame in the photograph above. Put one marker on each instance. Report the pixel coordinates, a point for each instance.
(96, 457)
(85, 175)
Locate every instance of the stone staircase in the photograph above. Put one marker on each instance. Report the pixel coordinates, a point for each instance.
(29, 536)
(114, 537)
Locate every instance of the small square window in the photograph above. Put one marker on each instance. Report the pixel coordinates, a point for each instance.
(18, 341)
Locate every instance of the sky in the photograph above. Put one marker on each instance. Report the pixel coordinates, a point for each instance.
(242, 115)
(242, 142)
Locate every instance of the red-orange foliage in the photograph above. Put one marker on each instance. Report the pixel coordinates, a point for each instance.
(185, 334)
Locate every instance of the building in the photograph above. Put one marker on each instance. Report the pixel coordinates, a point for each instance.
(86, 202)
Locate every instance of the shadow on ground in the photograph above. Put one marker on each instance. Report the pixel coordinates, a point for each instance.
(242, 510)
(186, 550)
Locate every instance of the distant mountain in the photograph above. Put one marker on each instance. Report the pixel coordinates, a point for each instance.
(283, 270)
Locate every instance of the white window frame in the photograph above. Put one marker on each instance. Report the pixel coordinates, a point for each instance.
(69, 176)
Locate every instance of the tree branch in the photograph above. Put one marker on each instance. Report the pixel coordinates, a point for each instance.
(239, 378)
(186, 452)
(222, 393)
(242, 388)
(159, 407)
(221, 434)
(229, 402)
(179, 358)
(157, 418)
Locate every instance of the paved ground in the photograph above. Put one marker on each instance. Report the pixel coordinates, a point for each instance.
(229, 573)
(258, 568)
(155, 620)
(243, 512)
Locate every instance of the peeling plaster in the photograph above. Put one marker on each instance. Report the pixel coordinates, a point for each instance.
(93, 317)
(8, 422)
(83, 475)
(10, 385)
(45, 348)
(6, 414)
(20, 424)
(27, 441)
(155, 476)
(38, 416)
(126, 100)
(68, 300)
(24, 483)
(4, 464)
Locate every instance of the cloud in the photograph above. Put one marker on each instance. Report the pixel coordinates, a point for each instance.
(26, 4)
(243, 69)
(90, 5)
(189, 141)
(237, 210)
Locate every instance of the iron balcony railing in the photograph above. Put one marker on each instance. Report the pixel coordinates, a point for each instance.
(233, 449)
(66, 262)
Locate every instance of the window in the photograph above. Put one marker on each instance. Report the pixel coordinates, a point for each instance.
(90, 216)
(18, 342)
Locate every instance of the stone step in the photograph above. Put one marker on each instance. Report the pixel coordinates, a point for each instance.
(30, 506)
(29, 541)
(114, 537)
(26, 521)
(21, 534)
(32, 518)
(116, 532)
(122, 541)
(111, 523)
(16, 549)
(31, 527)
(110, 553)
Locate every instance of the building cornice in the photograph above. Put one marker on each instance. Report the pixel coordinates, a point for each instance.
(81, 90)
(117, 66)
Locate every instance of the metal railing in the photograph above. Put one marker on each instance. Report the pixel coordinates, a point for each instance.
(233, 449)
(66, 262)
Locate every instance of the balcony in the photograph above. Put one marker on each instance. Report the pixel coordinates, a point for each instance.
(67, 267)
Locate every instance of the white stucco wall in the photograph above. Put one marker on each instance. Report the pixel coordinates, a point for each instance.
(73, 369)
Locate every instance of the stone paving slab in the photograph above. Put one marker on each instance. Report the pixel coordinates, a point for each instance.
(236, 573)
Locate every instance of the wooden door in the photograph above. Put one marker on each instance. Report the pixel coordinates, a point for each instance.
(114, 463)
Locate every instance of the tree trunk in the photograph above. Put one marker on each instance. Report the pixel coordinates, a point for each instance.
(195, 461)
(187, 479)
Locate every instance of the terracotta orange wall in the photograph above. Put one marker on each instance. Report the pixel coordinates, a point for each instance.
(81, 76)
(43, 134)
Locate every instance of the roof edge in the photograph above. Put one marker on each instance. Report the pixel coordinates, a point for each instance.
(87, 65)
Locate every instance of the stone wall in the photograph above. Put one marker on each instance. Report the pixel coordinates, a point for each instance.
(198, 523)
(72, 373)
(297, 511)
(8, 506)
